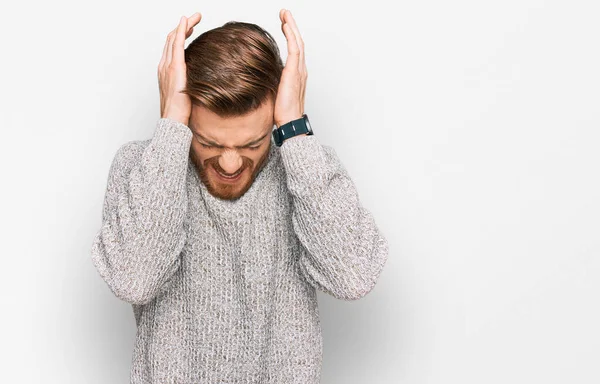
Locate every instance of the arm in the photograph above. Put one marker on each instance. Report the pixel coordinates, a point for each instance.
(344, 251)
(137, 249)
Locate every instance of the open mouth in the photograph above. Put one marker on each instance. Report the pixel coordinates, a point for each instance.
(231, 178)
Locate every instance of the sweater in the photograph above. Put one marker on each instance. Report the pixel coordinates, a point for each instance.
(224, 291)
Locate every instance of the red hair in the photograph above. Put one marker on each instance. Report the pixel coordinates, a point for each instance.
(233, 69)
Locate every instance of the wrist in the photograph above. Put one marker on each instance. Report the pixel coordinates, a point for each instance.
(287, 119)
(295, 127)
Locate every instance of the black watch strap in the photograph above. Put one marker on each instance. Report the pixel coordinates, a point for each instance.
(291, 129)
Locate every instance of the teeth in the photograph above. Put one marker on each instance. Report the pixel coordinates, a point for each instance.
(230, 177)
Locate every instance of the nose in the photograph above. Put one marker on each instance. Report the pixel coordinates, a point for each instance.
(230, 161)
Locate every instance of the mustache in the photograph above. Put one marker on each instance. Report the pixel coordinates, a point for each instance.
(214, 162)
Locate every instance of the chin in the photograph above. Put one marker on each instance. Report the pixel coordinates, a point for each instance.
(229, 191)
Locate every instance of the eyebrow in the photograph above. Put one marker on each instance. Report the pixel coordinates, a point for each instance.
(236, 146)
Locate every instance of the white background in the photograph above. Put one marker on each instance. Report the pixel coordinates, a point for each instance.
(470, 128)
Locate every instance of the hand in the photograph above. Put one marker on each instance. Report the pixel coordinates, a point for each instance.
(172, 75)
(289, 104)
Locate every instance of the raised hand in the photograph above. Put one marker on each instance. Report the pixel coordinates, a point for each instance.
(289, 104)
(172, 72)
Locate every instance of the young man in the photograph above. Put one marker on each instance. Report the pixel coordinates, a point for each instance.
(219, 229)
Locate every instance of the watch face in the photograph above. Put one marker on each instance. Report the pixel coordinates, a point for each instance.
(277, 137)
(307, 124)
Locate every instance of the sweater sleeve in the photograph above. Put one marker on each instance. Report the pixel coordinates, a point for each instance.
(343, 249)
(137, 250)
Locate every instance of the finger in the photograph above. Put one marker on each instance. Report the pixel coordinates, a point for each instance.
(290, 19)
(163, 59)
(169, 48)
(292, 61)
(179, 41)
(172, 37)
(166, 50)
(192, 21)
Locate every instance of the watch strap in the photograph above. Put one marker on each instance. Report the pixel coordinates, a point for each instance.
(291, 129)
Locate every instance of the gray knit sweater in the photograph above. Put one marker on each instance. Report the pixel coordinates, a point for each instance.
(224, 291)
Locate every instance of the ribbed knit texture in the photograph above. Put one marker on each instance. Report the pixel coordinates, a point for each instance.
(225, 291)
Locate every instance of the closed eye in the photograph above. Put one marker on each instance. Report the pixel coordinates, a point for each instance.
(210, 146)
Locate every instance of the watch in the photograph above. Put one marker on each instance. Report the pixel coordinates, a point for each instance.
(291, 129)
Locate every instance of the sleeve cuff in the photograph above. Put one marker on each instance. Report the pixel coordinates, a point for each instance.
(307, 161)
(173, 135)
(173, 132)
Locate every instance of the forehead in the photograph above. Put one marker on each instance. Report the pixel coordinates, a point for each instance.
(231, 130)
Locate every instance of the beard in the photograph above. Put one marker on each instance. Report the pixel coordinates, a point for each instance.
(221, 189)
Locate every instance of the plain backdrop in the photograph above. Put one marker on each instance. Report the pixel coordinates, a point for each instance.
(470, 129)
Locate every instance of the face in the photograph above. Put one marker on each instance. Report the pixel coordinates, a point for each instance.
(236, 146)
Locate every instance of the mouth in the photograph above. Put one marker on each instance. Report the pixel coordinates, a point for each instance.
(229, 179)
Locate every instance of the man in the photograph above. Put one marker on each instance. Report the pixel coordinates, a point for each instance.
(219, 229)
